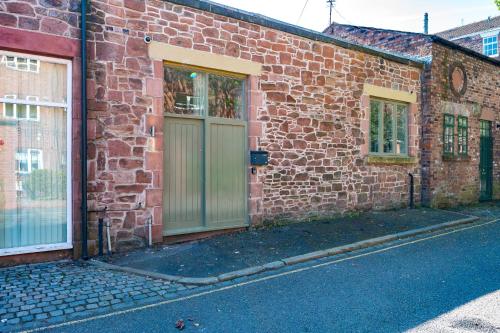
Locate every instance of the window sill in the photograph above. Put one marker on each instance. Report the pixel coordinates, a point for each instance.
(456, 158)
(390, 159)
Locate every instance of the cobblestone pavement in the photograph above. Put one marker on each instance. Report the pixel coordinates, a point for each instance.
(42, 294)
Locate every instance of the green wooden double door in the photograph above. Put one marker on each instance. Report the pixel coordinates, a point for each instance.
(205, 177)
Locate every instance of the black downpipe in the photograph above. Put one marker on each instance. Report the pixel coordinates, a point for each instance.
(412, 190)
(83, 133)
(100, 236)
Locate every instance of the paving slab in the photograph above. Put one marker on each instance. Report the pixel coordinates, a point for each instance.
(239, 251)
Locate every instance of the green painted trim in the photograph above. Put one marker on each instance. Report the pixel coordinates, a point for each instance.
(460, 134)
(390, 159)
(445, 126)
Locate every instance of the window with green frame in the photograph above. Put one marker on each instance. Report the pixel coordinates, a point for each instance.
(463, 135)
(388, 127)
(448, 134)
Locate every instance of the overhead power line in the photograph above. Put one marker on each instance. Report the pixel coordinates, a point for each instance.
(342, 16)
(302, 12)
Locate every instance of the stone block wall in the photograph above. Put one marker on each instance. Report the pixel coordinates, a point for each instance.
(53, 17)
(49, 28)
(305, 108)
(453, 181)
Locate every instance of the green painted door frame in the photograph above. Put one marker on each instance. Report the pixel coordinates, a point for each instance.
(486, 161)
(214, 153)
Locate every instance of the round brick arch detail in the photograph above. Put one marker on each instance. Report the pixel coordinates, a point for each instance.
(452, 78)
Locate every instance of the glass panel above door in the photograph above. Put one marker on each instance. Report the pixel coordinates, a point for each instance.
(206, 93)
(225, 97)
(184, 91)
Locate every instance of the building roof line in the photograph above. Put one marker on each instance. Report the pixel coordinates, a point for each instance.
(268, 22)
(478, 26)
(434, 38)
(476, 33)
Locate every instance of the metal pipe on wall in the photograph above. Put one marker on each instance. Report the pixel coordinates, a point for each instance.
(412, 191)
(83, 127)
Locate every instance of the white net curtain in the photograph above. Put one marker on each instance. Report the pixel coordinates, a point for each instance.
(33, 151)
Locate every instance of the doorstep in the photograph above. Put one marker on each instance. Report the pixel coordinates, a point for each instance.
(232, 256)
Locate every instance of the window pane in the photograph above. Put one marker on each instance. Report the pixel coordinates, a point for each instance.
(462, 135)
(448, 136)
(225, 97)
(33, 114)
(34, 65)
(490, 46)
(35, 160)
(22, 111)
(9, 110)
(374, 126)
(22, 161)
(402, 129)
(388, 128)
(49, 82)
(33, 178)
(184, 91)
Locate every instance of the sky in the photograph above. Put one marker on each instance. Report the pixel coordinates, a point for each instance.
(406, 15)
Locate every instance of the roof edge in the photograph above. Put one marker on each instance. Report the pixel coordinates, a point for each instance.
(268, 22)
(384, 29)
(447, 31)
(465, 50)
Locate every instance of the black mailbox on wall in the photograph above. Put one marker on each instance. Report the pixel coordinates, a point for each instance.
(259, 157)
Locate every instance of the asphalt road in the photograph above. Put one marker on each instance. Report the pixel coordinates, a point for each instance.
(451, 281)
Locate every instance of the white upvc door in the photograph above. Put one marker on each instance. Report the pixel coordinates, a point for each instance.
(35, 153)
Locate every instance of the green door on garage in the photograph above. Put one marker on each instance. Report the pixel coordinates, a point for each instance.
(486, 161)
(205, 151)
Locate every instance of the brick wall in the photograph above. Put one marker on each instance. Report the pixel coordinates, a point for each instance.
(445, 182)
(456, 180)
(474, 43)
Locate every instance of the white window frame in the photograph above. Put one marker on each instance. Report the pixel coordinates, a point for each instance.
(30, 162)
(69, 163)
(14, 64)
(494, 36)
(14, 106)
(28, 109)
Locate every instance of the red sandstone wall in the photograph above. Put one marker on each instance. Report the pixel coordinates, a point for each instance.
(307, 108)
(456, 181)
(49, 28)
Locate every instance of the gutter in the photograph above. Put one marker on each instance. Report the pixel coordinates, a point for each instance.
(238, 14)
(83, 128)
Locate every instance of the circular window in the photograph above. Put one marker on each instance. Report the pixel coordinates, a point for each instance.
(458, 79)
